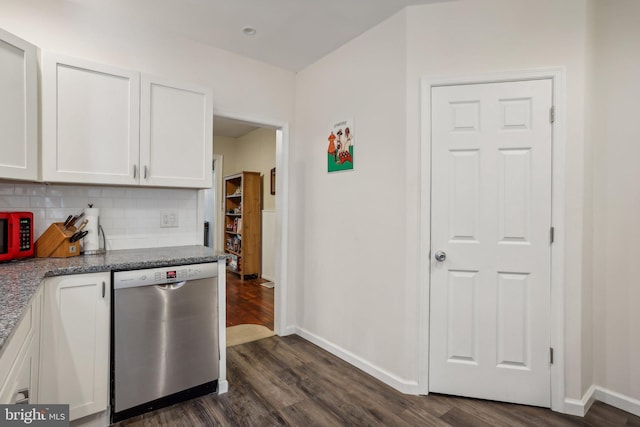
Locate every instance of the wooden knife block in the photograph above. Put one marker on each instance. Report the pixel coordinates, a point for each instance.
(54, 242)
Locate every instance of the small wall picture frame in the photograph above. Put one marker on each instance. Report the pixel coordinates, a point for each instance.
(340, 152)
(273, 181)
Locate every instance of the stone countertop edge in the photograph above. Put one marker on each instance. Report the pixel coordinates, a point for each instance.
(21, 279)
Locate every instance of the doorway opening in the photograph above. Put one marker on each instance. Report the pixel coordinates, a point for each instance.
(246, 210)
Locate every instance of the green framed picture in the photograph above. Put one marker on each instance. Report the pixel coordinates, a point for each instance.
(340, 152)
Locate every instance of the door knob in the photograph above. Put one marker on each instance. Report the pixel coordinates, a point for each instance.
(440, 256)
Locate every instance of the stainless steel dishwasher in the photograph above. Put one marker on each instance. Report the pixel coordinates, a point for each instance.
(164, 346)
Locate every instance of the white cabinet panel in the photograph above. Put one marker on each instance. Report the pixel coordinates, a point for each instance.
(20, 358)
(100, 126)
(176, 133)
(90, 123)
(75, 343)
(18, 109)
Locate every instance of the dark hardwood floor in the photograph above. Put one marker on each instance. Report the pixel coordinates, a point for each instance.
(248, 302)
(289, 381)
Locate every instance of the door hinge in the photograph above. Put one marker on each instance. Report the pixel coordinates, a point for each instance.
(551, 355)
(552, 234)
(552, 115)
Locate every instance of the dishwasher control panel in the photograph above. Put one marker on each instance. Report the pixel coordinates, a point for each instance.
(163, 275)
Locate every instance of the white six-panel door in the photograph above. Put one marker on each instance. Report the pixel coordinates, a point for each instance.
(491, 216)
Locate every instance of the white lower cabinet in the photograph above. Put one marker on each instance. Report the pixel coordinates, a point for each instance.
(20, 356)
(74, 366)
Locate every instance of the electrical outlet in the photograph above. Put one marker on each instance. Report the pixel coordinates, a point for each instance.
(168, 218)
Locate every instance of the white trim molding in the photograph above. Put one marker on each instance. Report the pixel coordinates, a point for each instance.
(282, 213)
(580, 407)
(557, 321)
(601, 394)
(403, 386)
(618, 400)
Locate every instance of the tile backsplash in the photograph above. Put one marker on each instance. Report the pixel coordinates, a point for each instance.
(130, 216)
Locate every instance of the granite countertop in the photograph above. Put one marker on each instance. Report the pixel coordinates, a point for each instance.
(19, 280)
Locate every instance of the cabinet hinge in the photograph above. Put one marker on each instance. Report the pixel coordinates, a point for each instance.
(551, 355)
(552, 115)
(552, 234)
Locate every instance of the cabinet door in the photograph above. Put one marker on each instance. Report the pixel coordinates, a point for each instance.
(20, 358)
(74, 365)
(176, 134)
(18, 109)
(90, 122)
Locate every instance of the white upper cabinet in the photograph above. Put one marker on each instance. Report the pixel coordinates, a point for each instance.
(18, 108)
(176, 128)
(90, 122)
(101, 125)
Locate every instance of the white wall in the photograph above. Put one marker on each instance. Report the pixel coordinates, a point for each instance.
(348, 242)
(616, 249)
(256, 152)
(361, 229)
(470, 37)
(588, 339)
(227, 147)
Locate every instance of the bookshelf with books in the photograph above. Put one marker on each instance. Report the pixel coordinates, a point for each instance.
(242, 228)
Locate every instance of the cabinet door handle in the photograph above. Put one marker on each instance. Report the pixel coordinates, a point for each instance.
(135, 171)
(103, 289)
(146, 170)
(24, 393)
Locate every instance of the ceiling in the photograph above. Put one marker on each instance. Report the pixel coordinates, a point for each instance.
(290, 34)
(231, 128)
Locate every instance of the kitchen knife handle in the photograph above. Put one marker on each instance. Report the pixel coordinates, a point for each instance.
(77, 236)
(135, 171)
(83, 225)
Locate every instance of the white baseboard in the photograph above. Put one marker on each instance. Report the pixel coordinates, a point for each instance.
(407, 387)
(289, 330)
(615, 399)
(223, 387)
(580, 407)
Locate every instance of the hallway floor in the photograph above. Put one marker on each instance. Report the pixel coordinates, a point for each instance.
(249, 302)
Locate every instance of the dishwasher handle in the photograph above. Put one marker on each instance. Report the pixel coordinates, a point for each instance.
(172, 286)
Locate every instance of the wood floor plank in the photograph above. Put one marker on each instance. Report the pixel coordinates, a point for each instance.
(417, 416)
(309, 413)
(267, 383)
(287, 381)
(605, 415)
(460, 418)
